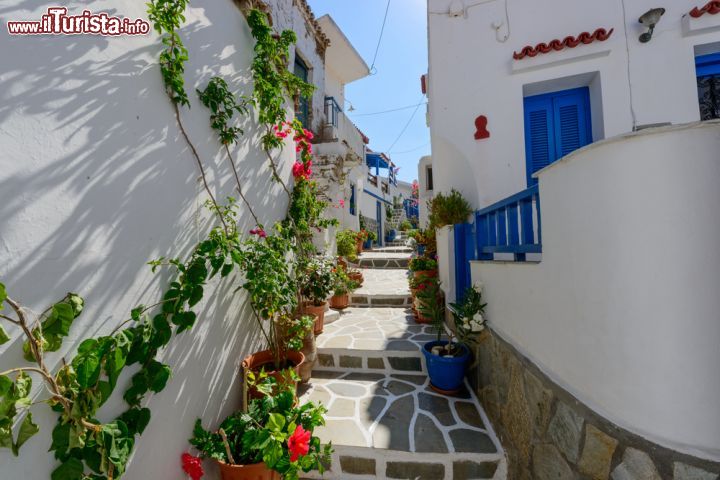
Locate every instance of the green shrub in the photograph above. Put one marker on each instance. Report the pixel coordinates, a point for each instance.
(405, 225)
(422, 264)
(448, 209)
(346, 243)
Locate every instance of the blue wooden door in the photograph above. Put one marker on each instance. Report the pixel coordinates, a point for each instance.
(465, 252)
(378, 215)
(556, 124)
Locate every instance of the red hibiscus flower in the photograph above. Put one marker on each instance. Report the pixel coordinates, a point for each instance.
(192, 466)
(299, 443)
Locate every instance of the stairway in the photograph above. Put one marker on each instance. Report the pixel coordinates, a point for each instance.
(384, 420)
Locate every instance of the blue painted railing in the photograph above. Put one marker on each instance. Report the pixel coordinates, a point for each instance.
(332, 111)
(512, 225)
(411, 208)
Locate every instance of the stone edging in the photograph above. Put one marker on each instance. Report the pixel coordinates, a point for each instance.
(548, 433)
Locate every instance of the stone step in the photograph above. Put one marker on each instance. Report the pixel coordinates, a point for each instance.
(383, 288)
(388, 260)
(385, 425)
(372, 339)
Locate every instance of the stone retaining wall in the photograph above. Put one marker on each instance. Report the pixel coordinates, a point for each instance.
(548, 434)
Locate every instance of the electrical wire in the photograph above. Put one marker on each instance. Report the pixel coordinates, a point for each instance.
(412, 149)
(373, 71)
(629, 77)
(404, 128)
(387, 111)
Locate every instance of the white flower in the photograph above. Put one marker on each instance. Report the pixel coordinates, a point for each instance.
(478, 328)
(478, 286)
(478, 318)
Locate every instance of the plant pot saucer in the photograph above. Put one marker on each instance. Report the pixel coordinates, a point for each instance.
(449, 393)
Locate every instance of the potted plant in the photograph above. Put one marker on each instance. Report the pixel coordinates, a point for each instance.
(360, 238)
(346, 244)
(356, 276)
(272, 440)
(405, 225)
(371, 238)
(343, 285)
(423, 266)
(316, 284)
(297, 334)
(273, 296)
(446, 360)
(428, 295)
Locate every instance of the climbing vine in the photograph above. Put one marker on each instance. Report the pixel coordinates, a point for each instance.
(85, 447)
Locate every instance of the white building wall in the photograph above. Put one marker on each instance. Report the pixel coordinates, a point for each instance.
(622, 310)
(424, 194)
(472, 73)
(95, 180)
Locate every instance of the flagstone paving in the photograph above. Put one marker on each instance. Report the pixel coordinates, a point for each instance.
(384, 420)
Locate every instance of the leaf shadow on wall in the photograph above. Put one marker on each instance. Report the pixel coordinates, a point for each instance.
(96, 180)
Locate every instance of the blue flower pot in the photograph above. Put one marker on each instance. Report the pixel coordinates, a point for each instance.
(446, 374)
(391, 235)
(421, 250)
(367, 244)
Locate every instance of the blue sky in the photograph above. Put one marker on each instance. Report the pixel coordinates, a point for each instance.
(401, 60)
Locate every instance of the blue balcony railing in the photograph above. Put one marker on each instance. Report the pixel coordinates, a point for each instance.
(332, 111)
(511, 225)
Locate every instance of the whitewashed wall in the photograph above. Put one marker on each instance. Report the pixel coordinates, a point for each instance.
(424, 195)
(472, 73)
(95, 180)
(622, 310)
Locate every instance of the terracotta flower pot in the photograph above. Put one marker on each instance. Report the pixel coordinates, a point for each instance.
(426, 273)
(266, 360)
(357, 277)
(256, 471)
(319, 312)
(340, 302)
(342, 263)
(358, 246)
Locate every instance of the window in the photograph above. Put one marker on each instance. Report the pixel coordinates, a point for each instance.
(556, 124)
(429, 178)
(303, 107)
(708, 83)
(352, 199)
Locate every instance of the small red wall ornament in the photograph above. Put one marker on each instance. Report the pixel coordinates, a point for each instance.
(481, 130)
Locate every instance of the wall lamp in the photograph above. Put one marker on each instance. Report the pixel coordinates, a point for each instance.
(650, 19)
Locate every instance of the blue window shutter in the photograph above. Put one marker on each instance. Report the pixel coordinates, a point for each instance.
(539, 138)
(556, 124)
(572, 123)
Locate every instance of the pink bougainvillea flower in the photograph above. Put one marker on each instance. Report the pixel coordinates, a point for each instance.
(192, 466)
(299, 443)
(342, 203)
(308, 134)
(259, 232)
(298, 170)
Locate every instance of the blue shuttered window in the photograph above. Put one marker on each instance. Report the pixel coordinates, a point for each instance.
(708, 82)
(353, 201)
(556, 124)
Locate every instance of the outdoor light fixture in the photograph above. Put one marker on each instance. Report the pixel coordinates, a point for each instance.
(650, 19)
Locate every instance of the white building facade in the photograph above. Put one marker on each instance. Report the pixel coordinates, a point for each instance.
(587, 141)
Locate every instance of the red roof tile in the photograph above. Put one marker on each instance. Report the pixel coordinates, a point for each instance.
(712, 7)
(568, 42)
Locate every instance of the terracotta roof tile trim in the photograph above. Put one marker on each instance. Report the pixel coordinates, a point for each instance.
(712, 7)
(585, 38)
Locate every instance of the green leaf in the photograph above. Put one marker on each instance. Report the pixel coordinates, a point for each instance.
(71, 470)
(195, 295)
(4, 338)
(60, 440)
(136, 420)
(276, 422)
(27, 430)
(5, 385)
(158, 376)
(87, 367)
(3, 295)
